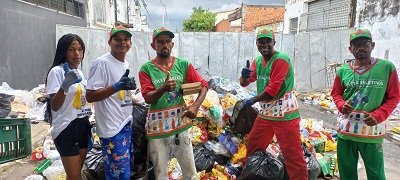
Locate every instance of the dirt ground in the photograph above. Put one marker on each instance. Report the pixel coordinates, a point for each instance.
(20, 169)
(390, 149)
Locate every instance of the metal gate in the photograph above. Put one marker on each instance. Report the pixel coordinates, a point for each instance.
(327, 14)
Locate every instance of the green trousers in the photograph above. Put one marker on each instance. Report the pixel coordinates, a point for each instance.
(371, 153)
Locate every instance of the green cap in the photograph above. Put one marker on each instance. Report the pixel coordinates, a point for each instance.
(162, 30)
(358, 33)
(118, 29)
(266, 32)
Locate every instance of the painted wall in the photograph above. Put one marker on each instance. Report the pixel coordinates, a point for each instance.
(293, 9)
(223, 15)
(28, 42)
(382, 18)
(224, 53)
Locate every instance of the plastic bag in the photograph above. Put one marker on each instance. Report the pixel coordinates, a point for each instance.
(5, 104)
(312, 163)
(54, 170)
(94, 159)
(139, 140)
(262, 165)
(327, 164)
(219, 149)
(34, 177)
(221, 85)
(220, 159)
(203, 158)
(285, 173)
(242, 120)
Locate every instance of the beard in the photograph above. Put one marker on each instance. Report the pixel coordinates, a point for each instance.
(163, 54)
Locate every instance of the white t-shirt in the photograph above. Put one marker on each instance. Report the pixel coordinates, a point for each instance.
(114, 112)
(75, 104)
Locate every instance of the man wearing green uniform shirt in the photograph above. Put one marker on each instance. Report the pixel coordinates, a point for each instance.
(279, 114)
(168, 120)
(365, 91)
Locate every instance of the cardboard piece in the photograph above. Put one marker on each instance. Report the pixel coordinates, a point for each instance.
(191, 88)
(21, 108)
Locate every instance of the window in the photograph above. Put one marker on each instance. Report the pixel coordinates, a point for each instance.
(293, 25)
(72, 7)
(327, 14)
(99, 11)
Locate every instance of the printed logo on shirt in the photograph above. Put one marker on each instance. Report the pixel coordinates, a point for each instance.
(172, 96)
(160, 81)
(264, 80)
(79, 99)
(121, 95)
(376, 83)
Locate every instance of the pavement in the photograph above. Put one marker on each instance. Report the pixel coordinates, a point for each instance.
(391, 146)
(22, 168)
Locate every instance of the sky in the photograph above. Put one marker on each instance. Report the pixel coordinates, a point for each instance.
(179, 10)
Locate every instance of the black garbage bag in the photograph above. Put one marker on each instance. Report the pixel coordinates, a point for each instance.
(94, 161)
(140, 173)
(262, 165)
(242, 119)
(139, 140)
(47, 113)
(203, 158)
(220, 86)
(285, 173)
(219, 158)
(5, 104)
(312, 163)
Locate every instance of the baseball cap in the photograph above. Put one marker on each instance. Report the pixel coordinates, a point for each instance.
(118, 29)
(358, 33)
(162, 30)
(266, 32)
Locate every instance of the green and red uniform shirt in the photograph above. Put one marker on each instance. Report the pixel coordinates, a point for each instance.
(277, 79)
(374, 90)
(164, 117)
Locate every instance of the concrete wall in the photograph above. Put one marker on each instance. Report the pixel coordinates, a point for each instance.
(382, 18)
(225, 53)
(28, 36)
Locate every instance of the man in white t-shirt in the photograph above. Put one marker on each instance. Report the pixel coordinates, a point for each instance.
(109, 88)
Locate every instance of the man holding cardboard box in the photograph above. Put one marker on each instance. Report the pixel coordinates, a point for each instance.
(168, 120)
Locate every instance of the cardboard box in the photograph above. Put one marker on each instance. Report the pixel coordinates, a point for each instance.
(21, 108)
(191, 88)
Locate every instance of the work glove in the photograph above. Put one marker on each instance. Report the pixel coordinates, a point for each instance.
(246, 70)
(125, 83)
(241, 104)
(247, 102)
(71, 77)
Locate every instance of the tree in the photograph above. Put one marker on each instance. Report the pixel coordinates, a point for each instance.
(201, 20)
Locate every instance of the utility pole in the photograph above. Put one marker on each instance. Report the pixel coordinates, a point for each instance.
(115, 11)
(127, 10)
(165, 7)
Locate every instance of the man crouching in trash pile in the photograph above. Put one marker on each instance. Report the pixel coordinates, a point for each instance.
(168, 120)
(280, 114)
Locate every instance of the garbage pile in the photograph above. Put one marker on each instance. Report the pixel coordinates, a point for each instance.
(219, 138)
(23, 103)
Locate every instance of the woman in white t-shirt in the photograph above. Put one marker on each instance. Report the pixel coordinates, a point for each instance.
(66, 87)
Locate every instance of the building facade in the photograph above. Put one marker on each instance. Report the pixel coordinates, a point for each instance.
(106, 13)
(249, 18)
